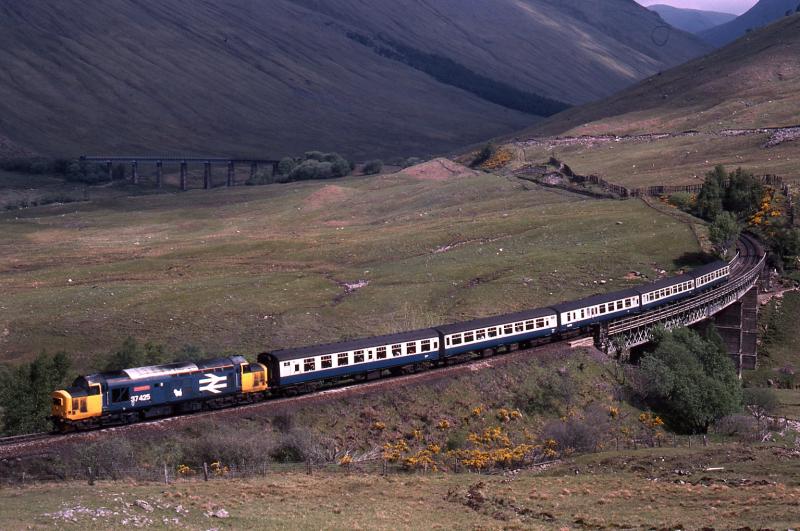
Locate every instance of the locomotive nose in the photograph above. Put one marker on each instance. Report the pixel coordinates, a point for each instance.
(60, 402)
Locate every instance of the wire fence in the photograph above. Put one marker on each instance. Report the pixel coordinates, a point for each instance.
(167, 473)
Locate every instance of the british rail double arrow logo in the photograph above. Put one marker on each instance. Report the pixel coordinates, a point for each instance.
(213, 383)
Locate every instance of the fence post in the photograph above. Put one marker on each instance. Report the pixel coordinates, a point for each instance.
(91, 476)
(166, 474)
(705, 440)
(205, 471)
(308, 467)
(383, 467)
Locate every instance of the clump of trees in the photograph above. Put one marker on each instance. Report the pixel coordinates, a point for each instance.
(25, 393)
(312, 165)
(689, 379)
(730, 199)
(71, 170)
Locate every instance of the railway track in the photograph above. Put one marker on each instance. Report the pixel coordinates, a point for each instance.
(23, 439)
(749, 256)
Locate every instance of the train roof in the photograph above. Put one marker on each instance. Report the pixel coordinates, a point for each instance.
(595, 300)
(168, 369)
(663, 283)
(356, 344)
(708, 268)
(495, 320)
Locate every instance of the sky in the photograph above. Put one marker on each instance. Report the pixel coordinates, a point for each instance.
(737, 7)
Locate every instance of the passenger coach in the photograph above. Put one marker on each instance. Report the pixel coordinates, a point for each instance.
(320, 363)
(492, 332)
(592, 310)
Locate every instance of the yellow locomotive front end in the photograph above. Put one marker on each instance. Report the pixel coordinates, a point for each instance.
(77, 405)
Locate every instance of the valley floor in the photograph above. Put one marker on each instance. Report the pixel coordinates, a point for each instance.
(721, 486)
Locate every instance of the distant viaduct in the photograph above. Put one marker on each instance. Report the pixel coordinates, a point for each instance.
(184, 167)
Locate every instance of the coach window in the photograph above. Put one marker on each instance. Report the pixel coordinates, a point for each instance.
(539, 323)
(343, 359)
(469, 337)
(397, 350)
(519, 327)
(528, 325)
(508, 329)
(326, 362)
(492, 332)
(381, 353)
(456, 339)
(358, 356)
(411, 348)
(480, 335)
(602, 308)
(309, 364)
(425, 346)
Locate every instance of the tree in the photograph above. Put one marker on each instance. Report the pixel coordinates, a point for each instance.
(709, 200)
(373, 167)
(724, 231)
(743, 193)
(25, 393)
(131, 354)
(286, 165)
(690, 379)
(760, 401)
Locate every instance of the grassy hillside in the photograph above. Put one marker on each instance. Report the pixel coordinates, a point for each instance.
(765, 12)
(365, 78)
(725, 97)
(691, 20)
(253, 268)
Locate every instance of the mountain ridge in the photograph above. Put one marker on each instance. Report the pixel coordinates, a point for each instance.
(691, 20)
(763, 13)
(238, 78)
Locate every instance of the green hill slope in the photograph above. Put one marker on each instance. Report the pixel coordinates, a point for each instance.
(365, 78)
(674, 127)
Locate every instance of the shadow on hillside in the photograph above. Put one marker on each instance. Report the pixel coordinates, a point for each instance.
(694, 259)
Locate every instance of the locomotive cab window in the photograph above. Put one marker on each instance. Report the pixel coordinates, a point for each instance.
(56, 401)
(120, 395)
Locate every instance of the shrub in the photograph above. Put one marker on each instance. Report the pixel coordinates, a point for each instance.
(682, 200)
(373, 167)
(483, 155)
(743, 426)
